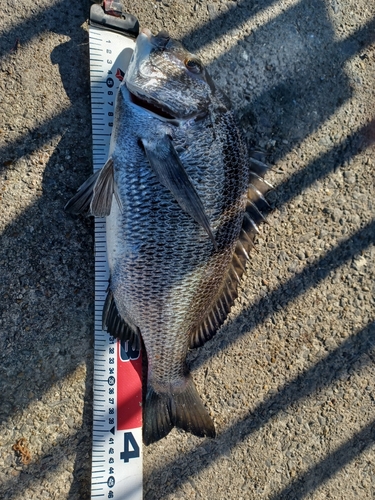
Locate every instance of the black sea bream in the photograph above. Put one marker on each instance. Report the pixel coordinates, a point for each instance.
(183, 200)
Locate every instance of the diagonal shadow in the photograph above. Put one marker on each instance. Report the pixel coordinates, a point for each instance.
(39, 260)
(305, 83)
(35, 139)
(293, 98)
(59, 17)
(37, 248)
(60, 14)
(326, 163)
(309, 277)
(352, 355)
(47, 464)
(46, 273)
(328, 467)
(351, 350)
(224, 22)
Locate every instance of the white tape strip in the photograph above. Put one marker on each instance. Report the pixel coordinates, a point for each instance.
(117, 420)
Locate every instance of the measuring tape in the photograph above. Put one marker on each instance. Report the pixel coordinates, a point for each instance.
(117, 420)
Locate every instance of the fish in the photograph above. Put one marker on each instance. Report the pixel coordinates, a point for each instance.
(183, 200)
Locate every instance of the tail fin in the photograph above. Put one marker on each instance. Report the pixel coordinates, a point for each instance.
(185, 410)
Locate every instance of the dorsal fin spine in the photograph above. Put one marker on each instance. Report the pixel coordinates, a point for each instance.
(243, 250)
(260, 195)
(253, 205)
(252, 222)
(235, 257)
(228, 293)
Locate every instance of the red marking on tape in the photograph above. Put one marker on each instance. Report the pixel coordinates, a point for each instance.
(120, 74)
(129, 387)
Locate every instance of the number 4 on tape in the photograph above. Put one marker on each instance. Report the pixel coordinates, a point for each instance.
(128, 453)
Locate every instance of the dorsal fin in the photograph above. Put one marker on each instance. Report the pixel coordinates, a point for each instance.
(256, 209)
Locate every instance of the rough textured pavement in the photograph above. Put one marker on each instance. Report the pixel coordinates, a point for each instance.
(289, 379)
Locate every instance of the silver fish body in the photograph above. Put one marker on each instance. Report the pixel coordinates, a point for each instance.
(176, 194)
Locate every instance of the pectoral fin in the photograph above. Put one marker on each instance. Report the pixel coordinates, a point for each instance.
(95, 195)
(103, 191)
(80, 203)
(170, 172)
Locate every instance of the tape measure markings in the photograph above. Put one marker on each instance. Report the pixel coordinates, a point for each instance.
(117, 422)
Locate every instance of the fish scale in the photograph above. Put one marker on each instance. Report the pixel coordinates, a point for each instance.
(184, 219)
(184, 272)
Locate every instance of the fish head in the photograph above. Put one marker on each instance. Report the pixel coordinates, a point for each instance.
(165, 78)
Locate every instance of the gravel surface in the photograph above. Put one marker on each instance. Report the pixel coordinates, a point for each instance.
(289, 379)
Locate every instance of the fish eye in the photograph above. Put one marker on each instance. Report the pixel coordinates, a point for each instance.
(194, 65)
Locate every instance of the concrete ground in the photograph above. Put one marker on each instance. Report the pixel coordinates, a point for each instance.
(289, 379)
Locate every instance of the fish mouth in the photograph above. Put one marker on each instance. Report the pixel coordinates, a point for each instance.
(162, 112)
(150, 106)
(146, 43)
